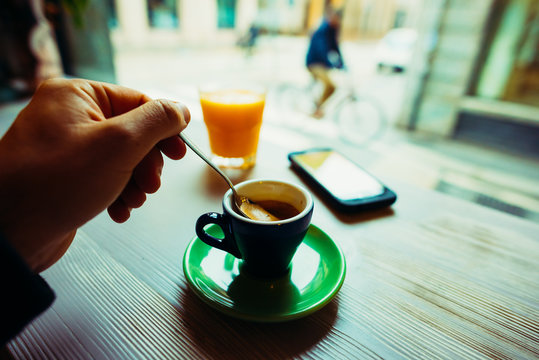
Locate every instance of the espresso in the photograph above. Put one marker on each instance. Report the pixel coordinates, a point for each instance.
(279, 209)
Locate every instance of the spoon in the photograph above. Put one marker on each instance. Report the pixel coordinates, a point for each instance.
(244, 205)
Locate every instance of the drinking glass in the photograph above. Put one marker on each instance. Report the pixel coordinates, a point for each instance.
(233, 118)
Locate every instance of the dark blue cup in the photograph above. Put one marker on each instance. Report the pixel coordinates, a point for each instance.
(266, 247)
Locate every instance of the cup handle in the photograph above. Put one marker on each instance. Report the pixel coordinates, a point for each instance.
(228, 243)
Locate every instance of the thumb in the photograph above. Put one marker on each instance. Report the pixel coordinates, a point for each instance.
(150, 123)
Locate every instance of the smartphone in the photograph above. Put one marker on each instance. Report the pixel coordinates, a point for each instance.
(344, 183)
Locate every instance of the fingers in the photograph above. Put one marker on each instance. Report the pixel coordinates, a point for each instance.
(137, 129)
(173, 147)
(146, 179)
(141, 112)
(116, 100)
(142, 128)
(118, 211)
(132, 195)
(147, 174)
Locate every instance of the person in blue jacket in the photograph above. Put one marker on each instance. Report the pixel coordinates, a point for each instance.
(324, 54)
(79, 147)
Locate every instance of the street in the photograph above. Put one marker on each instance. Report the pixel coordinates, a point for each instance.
(274, 61)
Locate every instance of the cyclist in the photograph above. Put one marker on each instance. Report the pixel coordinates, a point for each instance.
(324, 54)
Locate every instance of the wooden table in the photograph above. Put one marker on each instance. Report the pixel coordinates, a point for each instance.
(432, 277)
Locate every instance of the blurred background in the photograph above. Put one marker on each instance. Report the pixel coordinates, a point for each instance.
(457, 81)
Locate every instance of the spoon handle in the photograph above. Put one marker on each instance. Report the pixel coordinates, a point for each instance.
(199, 152)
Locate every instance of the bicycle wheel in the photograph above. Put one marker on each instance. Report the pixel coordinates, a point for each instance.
(360, 120)
(294, 98)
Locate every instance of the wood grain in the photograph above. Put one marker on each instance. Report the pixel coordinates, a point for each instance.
(428, 290)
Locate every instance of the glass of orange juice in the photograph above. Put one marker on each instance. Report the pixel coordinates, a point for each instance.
(233, 117)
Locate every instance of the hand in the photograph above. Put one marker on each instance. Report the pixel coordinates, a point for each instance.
(77, 148)
(335, 59)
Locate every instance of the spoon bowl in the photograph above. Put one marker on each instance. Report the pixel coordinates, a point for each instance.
(243, 204)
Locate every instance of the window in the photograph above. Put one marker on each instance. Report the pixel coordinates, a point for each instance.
(163, 14)
(112, 19)
(226, 14)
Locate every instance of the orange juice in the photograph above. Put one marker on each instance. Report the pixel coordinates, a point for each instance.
(233, 119)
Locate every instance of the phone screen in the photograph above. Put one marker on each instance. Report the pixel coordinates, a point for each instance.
(339, 175)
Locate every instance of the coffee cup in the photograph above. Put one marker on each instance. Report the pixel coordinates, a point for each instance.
(265, 247)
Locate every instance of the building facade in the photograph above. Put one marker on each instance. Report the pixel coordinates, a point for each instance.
(481, 79)
(142, 23)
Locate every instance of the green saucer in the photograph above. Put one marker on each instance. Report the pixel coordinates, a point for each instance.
(316, 275)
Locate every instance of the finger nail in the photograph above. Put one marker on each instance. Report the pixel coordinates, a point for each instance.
(184, 113)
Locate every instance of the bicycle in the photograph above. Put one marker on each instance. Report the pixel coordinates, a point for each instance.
(359, 117)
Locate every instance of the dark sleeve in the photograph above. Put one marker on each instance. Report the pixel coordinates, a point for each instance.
(25, 295)
(334, 45)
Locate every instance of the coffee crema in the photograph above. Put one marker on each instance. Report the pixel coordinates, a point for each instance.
(280, 209)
